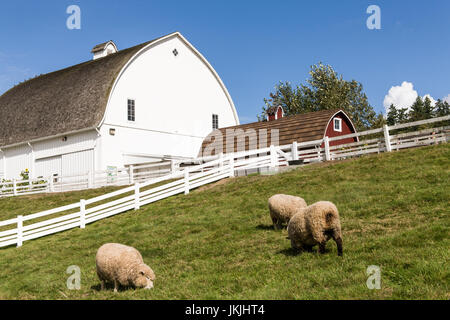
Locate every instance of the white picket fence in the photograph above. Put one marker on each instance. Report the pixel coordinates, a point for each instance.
(211, 169)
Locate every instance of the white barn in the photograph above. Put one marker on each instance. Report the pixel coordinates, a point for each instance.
(157, 100)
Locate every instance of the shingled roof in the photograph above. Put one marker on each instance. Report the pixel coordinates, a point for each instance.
(63, 101)
(301, 128)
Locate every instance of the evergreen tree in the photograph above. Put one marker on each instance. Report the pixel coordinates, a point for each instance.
(392, 116)
(417, 111)
(442, 108)
(402, 115)
(428, 109)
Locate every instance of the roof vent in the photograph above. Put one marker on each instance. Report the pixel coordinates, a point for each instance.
(275, 113)
(103, 49)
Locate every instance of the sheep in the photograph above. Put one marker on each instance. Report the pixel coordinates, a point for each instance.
(315, 224)
(282, 207)
(122, 265)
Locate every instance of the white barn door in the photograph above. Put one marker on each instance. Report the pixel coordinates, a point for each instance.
(78, 163)
(47, 167)
(76, 166)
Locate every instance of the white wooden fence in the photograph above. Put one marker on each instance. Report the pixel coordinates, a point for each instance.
(79, 214)
(211, 169)
(87, 180)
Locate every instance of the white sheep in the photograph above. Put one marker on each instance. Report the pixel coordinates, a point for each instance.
(282, 207)
(123, 265)
(315, 224)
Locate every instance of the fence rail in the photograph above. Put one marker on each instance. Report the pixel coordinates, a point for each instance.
(86, 180)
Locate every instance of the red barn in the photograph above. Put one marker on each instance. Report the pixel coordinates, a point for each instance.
(300, 128)
(275, 113)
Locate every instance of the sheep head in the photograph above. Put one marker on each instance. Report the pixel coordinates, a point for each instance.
(144, 277)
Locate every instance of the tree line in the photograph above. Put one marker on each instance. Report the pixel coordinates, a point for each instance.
(420, 110)
(325, 89)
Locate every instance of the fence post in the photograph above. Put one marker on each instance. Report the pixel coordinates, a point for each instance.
(232, 166)
(131, 174)
(387, 138)
(82, 213)
(50, 184)
(294, 151)
(136, 196)
(14, 187)
(19, 231)
(186, 181)
(327, 148)
(172, 166)
(90, 184)
(273, 156)
(221, 160)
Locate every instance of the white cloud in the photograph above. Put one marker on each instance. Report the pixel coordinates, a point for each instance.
(433, 102)
(447, 98)
(402, 96)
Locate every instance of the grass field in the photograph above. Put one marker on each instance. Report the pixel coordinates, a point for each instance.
(218, 243)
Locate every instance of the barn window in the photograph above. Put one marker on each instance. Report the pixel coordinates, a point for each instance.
(175, 52)
(215, 121)
(338, 124)
(131, 110)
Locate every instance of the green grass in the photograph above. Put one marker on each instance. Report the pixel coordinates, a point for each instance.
(217, 242)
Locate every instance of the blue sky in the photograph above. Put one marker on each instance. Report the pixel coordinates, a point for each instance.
(252, 44)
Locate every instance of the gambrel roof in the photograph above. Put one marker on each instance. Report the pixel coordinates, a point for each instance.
(70, 100)
(63, 101)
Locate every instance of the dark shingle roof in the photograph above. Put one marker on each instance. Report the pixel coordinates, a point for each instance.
(301, 128)
(67, 100)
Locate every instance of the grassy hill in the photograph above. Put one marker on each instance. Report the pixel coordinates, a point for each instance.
(218, 243)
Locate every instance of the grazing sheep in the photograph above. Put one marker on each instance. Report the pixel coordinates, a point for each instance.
(315, 224)
(282, 207)
(122, 265)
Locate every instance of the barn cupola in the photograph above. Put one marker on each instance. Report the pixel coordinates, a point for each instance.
(274, 113)
(103, 49)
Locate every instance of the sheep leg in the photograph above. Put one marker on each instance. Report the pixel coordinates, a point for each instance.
(116, 285)
(295, 245)
(339, 245)
(322, 247)
(276, 223)
(102, 285)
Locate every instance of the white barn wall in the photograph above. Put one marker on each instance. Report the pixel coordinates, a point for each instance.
(2, 165)
(56, 146)
(44, 152)
(118, 150)
(17, 160)
(175, 97)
